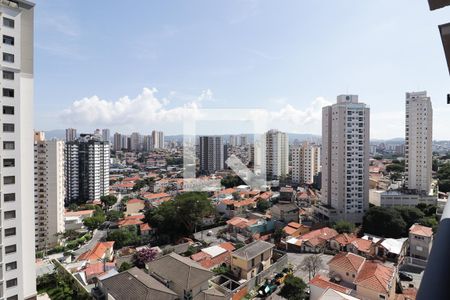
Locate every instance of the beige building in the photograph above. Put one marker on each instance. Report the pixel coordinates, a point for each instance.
(305, 163)
(49, 190)
(277, 154)
(418, 141)
(345, 158)
(420, 241)
(251, 259)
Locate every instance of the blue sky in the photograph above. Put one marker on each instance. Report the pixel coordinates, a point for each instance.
(133, 66)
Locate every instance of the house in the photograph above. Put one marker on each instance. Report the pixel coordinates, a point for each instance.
(134, 284)
(97, 270)
(368, 278)
(376, 281)
(285, 212)
(102, 251)
(295, 229)
(231, 208)
(187, 278)
(214, 256)
(241, 229)
(317, 240)
(73, 220)
(362, 247)
(287, 195)
(341, 241)
(319, 284)
(420, 240)
(134, 206)
(156, 199)
(135, 221)
(251, 259)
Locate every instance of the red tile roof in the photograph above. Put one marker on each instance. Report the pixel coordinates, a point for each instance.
(362, 245)
(97, 252)
(375, 276)
(344, 238)
(135, 200)
(421, 230)
(325, 233)
(79, 213)
(145, 227)
(294, 225)
(227, 246)
(347, 261)
(323, 282)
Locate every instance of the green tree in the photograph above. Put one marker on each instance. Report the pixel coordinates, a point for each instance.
(114, 215)
(138, 185)
(385, 222)
(124, 237)
(278, 235)
(108, 200)
(429, 222)
(73, 207)
(231, 181)
(180, 217)
(397, 168)
(410, 215)
(293, 288)
(262, 205)
(125, 266)
(95, 221)
(343, 226)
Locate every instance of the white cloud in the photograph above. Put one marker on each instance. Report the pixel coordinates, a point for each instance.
(146, 110)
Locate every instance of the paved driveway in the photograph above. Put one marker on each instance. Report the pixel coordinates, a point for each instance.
(203, 235)
(98, 234)
(296, 260)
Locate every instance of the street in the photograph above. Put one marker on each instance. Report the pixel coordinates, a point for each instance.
(212, 239)
(98, 235)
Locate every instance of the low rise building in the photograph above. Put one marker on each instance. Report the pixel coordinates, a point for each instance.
(420, 242)
(399, 198)
(285, 212)
(251, 259)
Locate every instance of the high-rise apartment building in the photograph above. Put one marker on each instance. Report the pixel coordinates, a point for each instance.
(345, 158)
(277, 154)
(71, 134)
(211, 154)
(125, 142)
(305, 163)
(147, 144)
(117, 142)
(158, 139)
(49, 190)
(418, 142)
(17, 254)
(136, 141)
(87, 168)
(106, 136)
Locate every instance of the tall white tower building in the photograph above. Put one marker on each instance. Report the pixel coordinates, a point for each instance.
(305, 163)
(117, 142)
(49, 190)
(106, 135)
(71, 134)
(418, 142)
(158, 139)
(136, 141)
(17, 254)
(277, 154)
(345, 158)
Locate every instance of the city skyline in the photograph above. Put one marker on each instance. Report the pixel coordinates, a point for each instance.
(203, 73)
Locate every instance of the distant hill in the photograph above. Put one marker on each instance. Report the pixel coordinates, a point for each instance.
(59, 134)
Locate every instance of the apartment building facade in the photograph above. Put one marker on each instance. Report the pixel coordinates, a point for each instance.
(345, 158)
(87, 168)
(49, 190)
(211, 154)
(17, 254)
(305, 163)
(277, 154)
(418, 142)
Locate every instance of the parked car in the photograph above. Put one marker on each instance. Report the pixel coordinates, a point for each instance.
(405, 276)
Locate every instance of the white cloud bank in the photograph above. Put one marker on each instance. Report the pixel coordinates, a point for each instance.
(137, 114)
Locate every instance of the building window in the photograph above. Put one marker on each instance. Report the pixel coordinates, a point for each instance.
(8, 57)
(10, 214)
(9, 162)
(8, 75)
(7, 22)
(8, 145)
(8, 40)
(11, 266)
(10, 249)
(8, 92)
(11, 282)
(10, 231)
(8, 127)
(9, 179)
(15, 297)
(8, 110)
(10, 197)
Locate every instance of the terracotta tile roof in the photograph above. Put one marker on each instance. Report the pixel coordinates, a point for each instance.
(97, 252)
(289, 230)
(129, 222)
(125, 185)
(294, 225)
(347, 261)
(227, 246)
(236, 220)
(325, 233)
(151, 196)
(375, 276)
(362, 245)
(135, 200)
(421, 230)
(227, 191)
(345, 238)
(245, 202)
(98, 268)
(199, 256)
(131, 178)
(145, 227)
(323, 282)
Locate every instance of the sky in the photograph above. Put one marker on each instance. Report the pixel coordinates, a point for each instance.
(144, 65)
